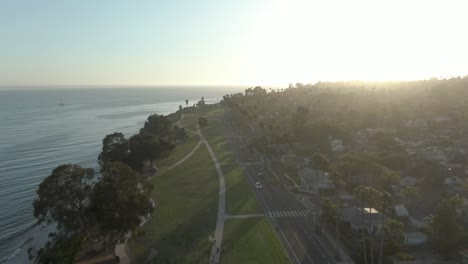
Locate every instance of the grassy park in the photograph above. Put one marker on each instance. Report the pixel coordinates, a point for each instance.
(186, 205)
(251, 240)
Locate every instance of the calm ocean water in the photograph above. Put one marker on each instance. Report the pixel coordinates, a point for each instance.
(37, 134)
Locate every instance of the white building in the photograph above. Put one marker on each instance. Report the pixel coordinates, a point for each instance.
(314, 181)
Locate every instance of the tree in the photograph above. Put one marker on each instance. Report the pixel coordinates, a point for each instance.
(186, 102)
(157, 125)
(180, 108)
(62, 249)
(114, 148)
(393, 231)
(370, 198)
(202, 121)
(147, 148)
(63, 198)
(386, 201)
(119, 200)
(321, 163)
(445, 233)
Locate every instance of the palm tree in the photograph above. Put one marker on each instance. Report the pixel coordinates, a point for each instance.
(386, 201)
(368, 197)
(321, 163)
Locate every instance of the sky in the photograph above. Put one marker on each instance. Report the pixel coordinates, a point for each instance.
(241, 42)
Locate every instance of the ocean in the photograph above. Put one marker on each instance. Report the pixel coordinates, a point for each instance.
(37, 134)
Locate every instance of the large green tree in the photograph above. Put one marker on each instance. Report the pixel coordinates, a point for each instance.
(445, 232)
(114, 148)
(157, 125)
(145, 147)
(63, 198)
(119, 200)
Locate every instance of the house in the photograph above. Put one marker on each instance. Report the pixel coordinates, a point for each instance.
(362, 219)
(453, 180)
(432, 155)
(289, 160)
(279, 149)
(408, 181)
(336, 145)
(457, 170)
(415, 238)
(314, 181)
(401, 212)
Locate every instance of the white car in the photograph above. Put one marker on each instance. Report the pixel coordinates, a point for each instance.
(260, 174)
(258, 185)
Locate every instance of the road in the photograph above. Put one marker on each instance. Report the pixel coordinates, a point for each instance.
(293, 223)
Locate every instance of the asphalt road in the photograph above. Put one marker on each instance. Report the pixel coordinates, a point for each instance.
(293, 223)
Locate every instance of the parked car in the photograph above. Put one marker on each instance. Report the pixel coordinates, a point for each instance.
(258, 185)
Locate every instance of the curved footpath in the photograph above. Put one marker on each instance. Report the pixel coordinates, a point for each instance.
(120, 249)
(218, 235)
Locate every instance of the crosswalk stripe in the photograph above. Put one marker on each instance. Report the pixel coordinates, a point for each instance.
(295, 213)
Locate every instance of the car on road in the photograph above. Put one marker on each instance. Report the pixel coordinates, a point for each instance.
(249, 159)
(258, 185)
(260, 174)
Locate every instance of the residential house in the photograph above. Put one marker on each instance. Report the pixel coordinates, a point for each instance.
(415, 238)
(362, 219)
(279, 149)
(432, 154)
(408, 181)
(314, 181)
(401, 212)
(453, 180)
(336, 145)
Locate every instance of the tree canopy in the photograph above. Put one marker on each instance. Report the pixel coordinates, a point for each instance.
(145, 147)
(119, 199)
(114, 148)
(63, 197)
(158, 125)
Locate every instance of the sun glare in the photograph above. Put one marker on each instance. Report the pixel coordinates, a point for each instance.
(368, 40)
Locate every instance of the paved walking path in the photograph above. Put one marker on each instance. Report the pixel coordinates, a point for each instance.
(218, 235)
(181, 160)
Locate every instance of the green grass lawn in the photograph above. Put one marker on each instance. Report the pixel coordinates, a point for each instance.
(251, 240)
(180, 151)
(186, 199)
(240, 199)
(191, 117)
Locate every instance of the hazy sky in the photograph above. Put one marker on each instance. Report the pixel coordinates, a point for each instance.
(253, 42)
